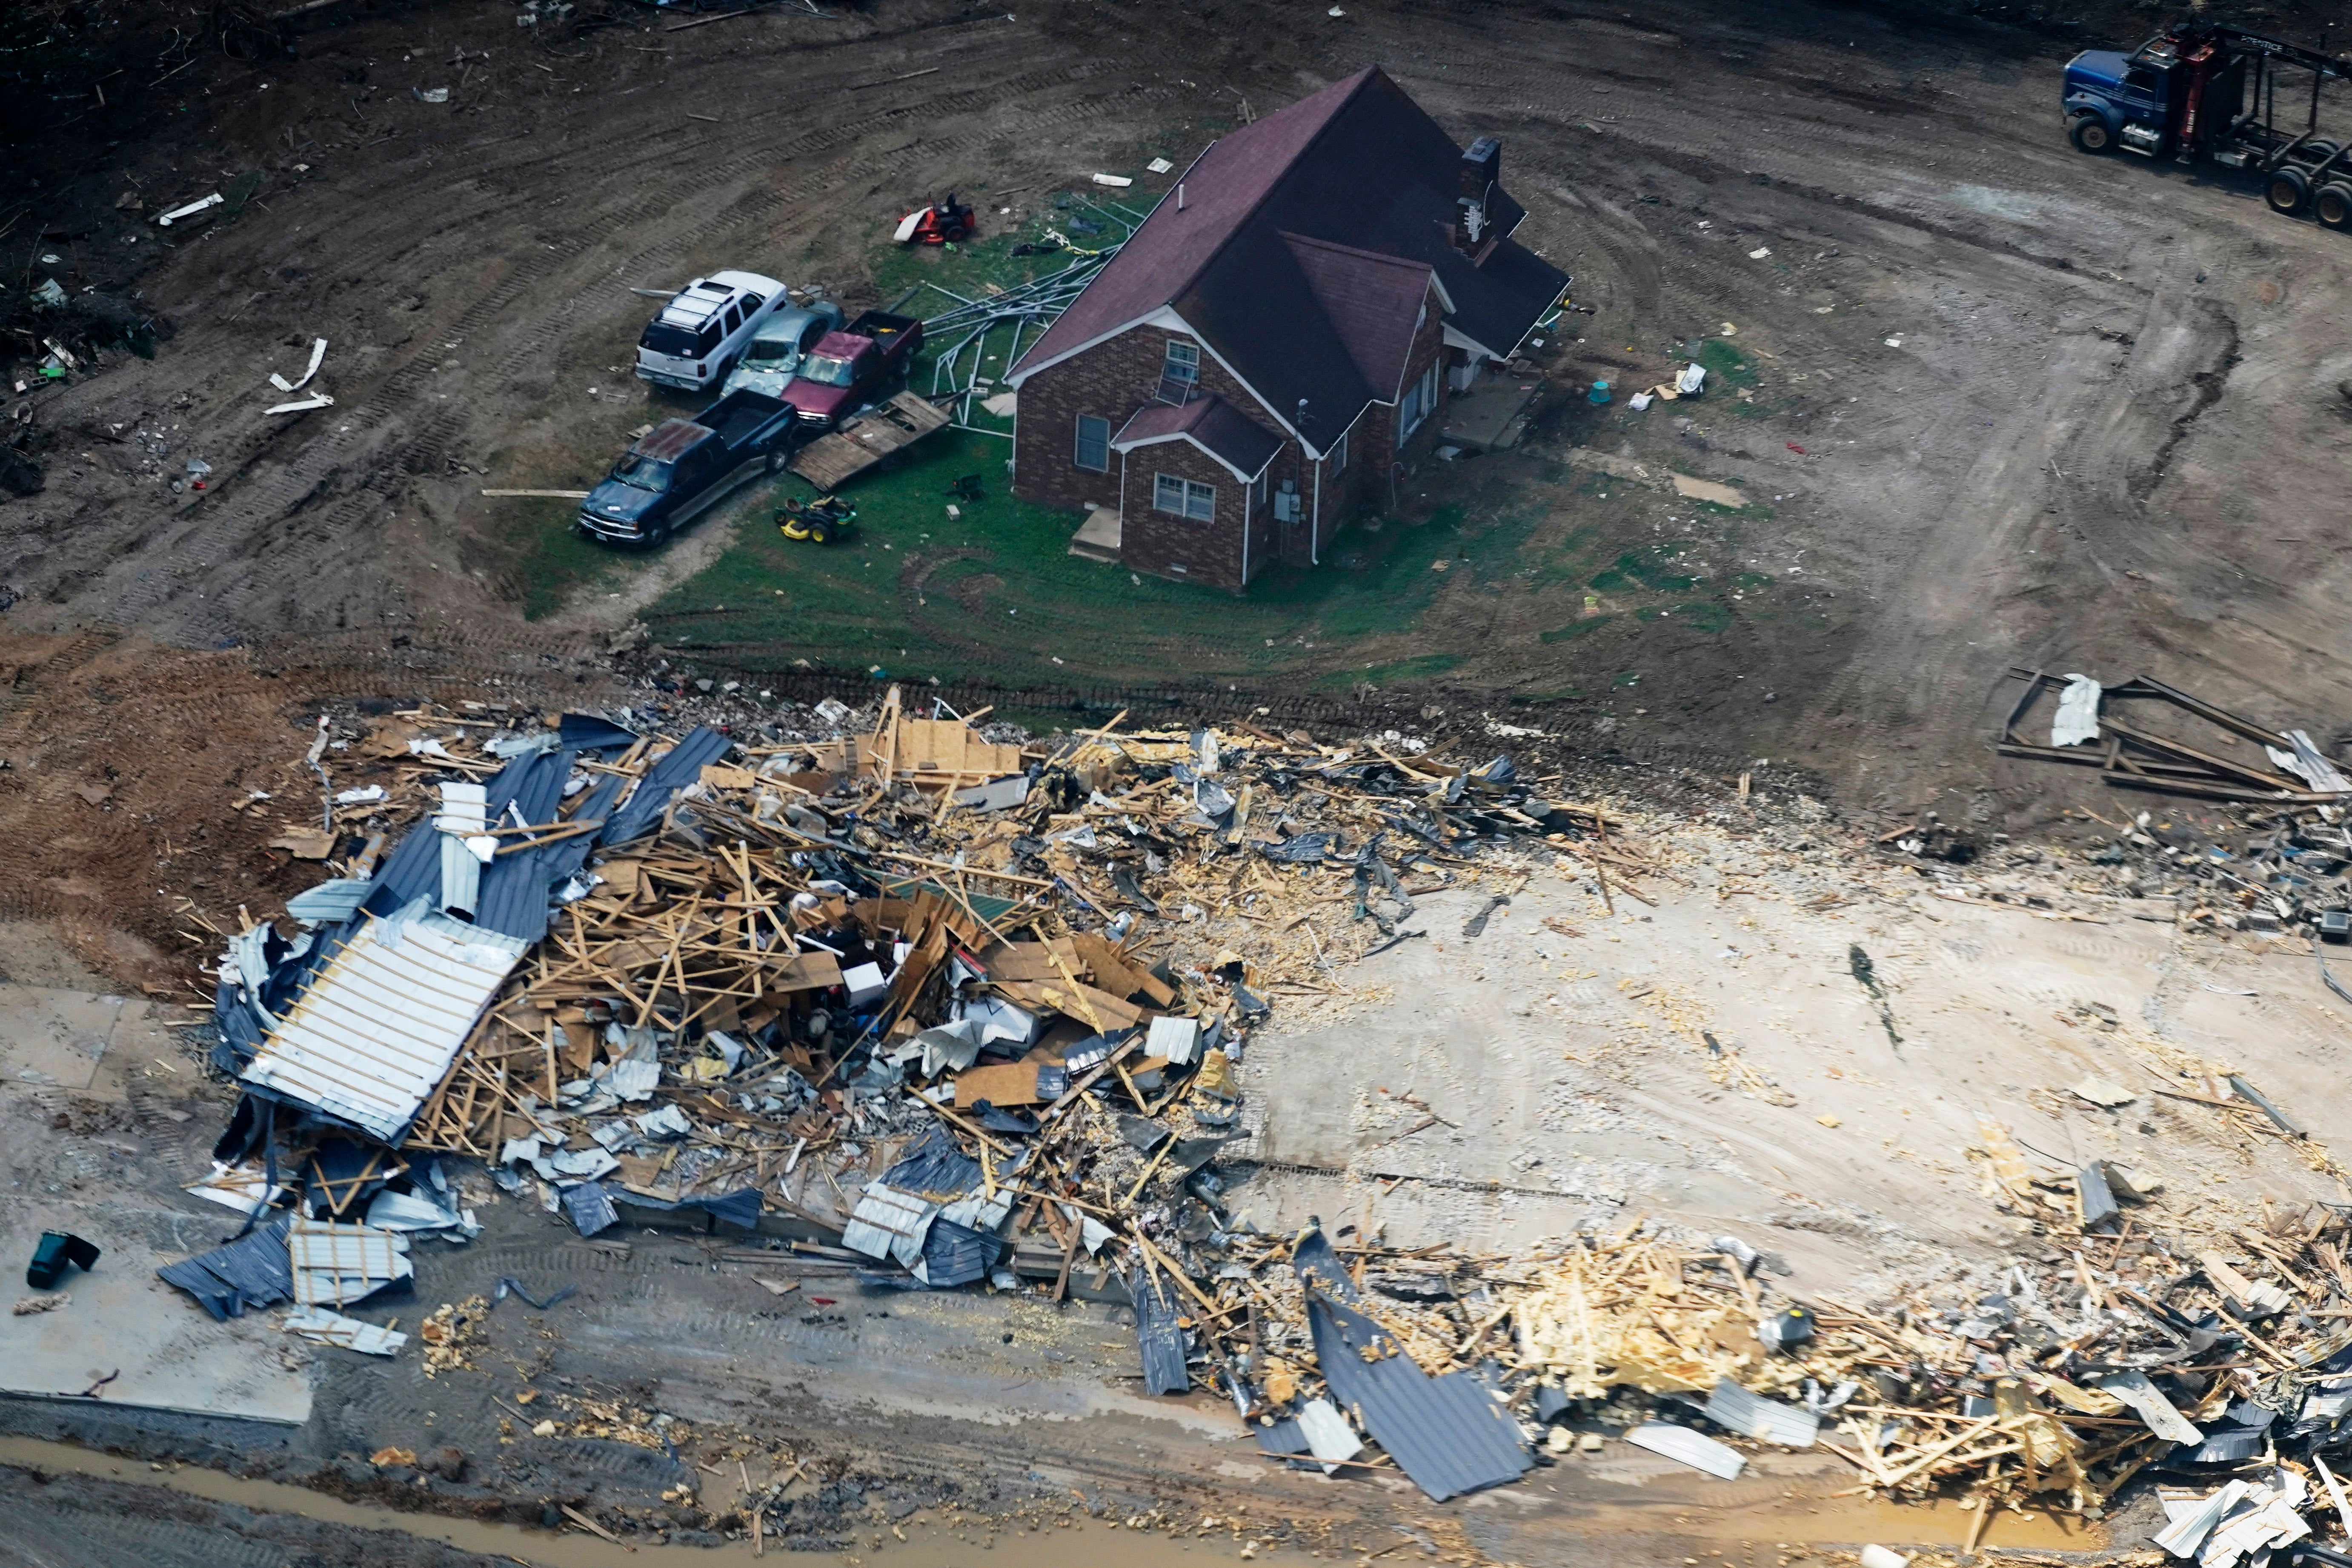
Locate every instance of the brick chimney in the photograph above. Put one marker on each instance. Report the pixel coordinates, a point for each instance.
(1482, 169)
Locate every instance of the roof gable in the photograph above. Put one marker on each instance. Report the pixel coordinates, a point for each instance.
(1284, 246)
(1225, 432)
(1373, 301)
(1175, 243)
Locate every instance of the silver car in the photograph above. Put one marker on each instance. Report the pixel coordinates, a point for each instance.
(774, 355)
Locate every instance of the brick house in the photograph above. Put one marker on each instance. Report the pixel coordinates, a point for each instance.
(1263, 355)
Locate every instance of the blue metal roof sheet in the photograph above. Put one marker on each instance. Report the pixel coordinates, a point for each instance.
(563, 860)
(590, 1207)
(956, 1254)
(513, 897)
(1285, 1436)
(934, 1167)
(592, 733)
(1448, 1434)
(1157, 1335)
(252, 1272)
(681, 767)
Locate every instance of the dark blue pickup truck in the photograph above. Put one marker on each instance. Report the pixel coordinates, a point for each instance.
(681, 467)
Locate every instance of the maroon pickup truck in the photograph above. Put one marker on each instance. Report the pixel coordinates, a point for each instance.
(853, 367)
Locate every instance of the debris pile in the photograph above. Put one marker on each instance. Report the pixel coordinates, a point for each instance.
(939, 1003)
(2270, 853)
(942, 1006)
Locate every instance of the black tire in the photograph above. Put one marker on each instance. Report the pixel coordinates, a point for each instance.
(777, 457)
(2332, 204)
(2091, 134)
(2287, 191)
(2320, 149)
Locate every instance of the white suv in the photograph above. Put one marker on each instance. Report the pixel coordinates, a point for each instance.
(704, 327)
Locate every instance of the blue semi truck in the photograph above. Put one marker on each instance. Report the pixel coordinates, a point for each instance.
(2207, 92)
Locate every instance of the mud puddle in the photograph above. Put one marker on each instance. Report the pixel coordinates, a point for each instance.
(926, 1545)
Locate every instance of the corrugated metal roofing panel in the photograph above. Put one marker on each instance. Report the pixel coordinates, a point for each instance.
(1697, 1450)
(565, 858)
(1446, 1432)
(1328, 1436)
(1319, 1266)
(956, 1254)
(514, 887)
(739, 1208)
(590, 1207)
(250, 1272)
(464, 808)
(1766, 1420)
(1285, 1436)
(933, 1164)
(592, 733)
(461, 876)
(681, 767)
(887, 1223)
(333, 1264)
(375, 1031)
(352, 1333)
(1177, 1039)
(1157, 1335)
(413, 868)
(411, 871)
(331, 902)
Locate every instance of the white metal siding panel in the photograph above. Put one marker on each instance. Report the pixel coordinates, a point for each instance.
(378, 1028)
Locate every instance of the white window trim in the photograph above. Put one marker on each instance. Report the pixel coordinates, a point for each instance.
(1339, 453)
(1419, 402)
(1186, 491)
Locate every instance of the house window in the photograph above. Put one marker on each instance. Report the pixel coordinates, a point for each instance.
(1340, 456)
(1180, 373)
(1258, 490)
(1182, 498)
(1094, 443)
(1418, 400)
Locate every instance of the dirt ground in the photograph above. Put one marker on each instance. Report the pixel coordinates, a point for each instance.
(2052, 412)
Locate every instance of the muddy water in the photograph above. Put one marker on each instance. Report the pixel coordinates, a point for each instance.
(1084, 1545)
(1800, 1516)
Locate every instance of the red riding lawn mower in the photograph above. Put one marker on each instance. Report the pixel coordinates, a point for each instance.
(942, 223)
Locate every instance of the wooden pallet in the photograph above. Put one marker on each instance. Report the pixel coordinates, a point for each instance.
(830, 461)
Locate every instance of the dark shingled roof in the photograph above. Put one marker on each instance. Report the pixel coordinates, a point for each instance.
(1373, 300)
(1210, 423)
(1272, 257)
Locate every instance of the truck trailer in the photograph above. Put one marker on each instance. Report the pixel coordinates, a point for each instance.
(2206, 92)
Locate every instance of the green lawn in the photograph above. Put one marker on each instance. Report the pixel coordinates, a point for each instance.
(1558, 587)
(995, 592)
(995, 595)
